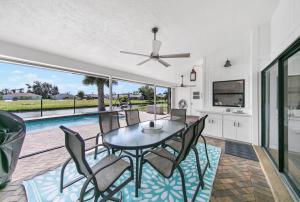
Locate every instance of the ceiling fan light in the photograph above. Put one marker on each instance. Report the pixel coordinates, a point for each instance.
(227, 63)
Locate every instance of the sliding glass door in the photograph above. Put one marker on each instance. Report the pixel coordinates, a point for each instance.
(281, 113)
(292, 118)
(270, 111)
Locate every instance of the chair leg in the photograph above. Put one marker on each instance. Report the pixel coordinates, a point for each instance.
(183, 183)
(96, 148)
(140, 173)
(198, 167)
(205, 149)
(96, 197)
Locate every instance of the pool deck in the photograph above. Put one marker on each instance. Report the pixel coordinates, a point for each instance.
(237, 179)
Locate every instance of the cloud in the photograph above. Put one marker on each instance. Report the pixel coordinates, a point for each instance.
(17, 72)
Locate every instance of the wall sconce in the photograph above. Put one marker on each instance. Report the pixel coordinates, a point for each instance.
(227, 63)
(193, 75)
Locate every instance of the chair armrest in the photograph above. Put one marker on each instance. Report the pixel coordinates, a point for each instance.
(98, 145)
(176, 139)
(128, 157)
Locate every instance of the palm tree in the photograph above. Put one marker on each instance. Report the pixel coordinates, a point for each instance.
(100, 82)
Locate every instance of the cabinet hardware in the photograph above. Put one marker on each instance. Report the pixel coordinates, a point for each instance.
(234, 124)
(238, 124)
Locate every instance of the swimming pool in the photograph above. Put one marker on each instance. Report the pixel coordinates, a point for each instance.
(49, 123)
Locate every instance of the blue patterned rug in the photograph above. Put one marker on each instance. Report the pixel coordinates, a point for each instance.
(154, 187)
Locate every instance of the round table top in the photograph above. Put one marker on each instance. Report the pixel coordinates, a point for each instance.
(132, 137)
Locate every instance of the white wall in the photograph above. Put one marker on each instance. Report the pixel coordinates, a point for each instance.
(251, 56)
(239, 56)
(268, 41)
(285, 25)
(186, 92)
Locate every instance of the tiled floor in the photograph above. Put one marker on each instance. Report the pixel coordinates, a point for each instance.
(237, 179)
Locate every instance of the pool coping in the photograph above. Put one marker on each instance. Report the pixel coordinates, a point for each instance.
(32, 119)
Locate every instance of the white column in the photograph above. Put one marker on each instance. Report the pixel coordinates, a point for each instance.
(154, 102)
(110, 93)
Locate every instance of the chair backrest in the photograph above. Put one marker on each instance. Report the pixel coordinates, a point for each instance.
(200, 128)
(178, 115)
(132, 116)
(108, 121)
(188, 137)
(76, 148)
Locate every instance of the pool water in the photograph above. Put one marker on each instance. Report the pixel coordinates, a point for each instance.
(46, 124)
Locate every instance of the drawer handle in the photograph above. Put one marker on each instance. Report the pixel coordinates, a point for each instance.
(234, 124)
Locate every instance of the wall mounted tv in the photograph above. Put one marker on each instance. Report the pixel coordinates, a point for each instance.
(229, 93)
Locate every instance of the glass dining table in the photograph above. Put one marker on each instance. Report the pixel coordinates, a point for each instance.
(136, 137)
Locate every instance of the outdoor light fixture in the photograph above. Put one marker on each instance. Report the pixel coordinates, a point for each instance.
(193, 75)
(227, 63)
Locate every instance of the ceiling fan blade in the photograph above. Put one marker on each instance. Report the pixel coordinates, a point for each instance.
(163, 63)
(143, 62)
(180, 55)
(131, 53)
(155, 47)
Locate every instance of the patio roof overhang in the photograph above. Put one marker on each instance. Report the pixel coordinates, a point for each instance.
(88, 36)
(10, 52)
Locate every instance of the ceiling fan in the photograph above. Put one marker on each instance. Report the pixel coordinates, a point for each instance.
(183, 85)
(155, 52)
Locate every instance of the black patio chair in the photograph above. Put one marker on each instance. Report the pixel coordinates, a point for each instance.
(132, 117)
(108, 121)
(102, 175)
(165, 162)
(176, 144)
(178, 115)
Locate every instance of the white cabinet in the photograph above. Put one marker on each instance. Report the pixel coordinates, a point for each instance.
(237, 128)
(213, 125)
(228, 126)
(229, 129)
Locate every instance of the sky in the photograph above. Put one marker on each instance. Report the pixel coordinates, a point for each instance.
(15, 76)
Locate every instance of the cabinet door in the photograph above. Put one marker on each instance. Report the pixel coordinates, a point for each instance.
(213, 125)
(229, 129)
(208, 128)
(243, 129)
(216, 127)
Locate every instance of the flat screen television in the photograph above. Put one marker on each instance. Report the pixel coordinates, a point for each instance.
(229, 93)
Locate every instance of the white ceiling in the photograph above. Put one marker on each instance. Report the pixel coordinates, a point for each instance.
(95, 31)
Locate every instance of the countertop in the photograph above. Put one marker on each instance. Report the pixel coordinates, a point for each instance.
(223, 112)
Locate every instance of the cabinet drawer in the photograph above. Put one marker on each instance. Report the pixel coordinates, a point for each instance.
(230, 117)
(211, 116)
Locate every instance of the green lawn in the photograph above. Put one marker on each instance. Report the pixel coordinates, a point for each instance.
(32, 105)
